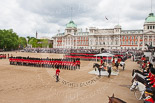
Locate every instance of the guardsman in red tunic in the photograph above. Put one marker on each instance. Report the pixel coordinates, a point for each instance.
(151, 76)
(52, 63)
(148, 96)
(143, 58)
(101, 61)
(144, 66)
(55, 63)
(5, 56)
(153, 85)
(74, 64)
(10, 59)
(57, 73)
(78, 61)
(64, 62)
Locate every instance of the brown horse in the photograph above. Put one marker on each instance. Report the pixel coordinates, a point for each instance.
(115, 100)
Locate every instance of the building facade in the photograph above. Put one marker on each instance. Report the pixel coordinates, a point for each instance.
(116, 38)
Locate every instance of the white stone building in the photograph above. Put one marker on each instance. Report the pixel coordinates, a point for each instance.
(116, 38)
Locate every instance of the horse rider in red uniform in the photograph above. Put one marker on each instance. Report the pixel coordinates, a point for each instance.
(143, 58)
(151, 76)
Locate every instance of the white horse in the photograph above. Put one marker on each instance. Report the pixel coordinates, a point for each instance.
(138, 86)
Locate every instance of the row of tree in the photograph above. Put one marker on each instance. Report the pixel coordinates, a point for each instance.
(9, 40)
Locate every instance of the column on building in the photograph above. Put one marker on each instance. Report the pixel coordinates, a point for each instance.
(138, 41)
(148, 39)
(76, 42)
(66, 42)
(152, 40)
(119, 41)
(143, 43)
(72, 42)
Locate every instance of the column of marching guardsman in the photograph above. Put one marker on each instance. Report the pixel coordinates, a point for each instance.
(2, 56)
(69, 64)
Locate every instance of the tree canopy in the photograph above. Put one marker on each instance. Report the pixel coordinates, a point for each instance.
(9, 40)
(22, 42)
(42, 43)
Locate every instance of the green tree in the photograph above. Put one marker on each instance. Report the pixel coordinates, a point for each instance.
(29, 38)
(22, 42)
(33, 42)
(8, 40)
(45, 43)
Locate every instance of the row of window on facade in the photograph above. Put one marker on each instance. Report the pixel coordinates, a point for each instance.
(125, 48)
(106, 38)
(130, 37)
(82, 43)
(136, 37)
(151, 27)
(78, 33)
(72, 43)
(103, 38)
(87, 47)
(71, 38)
(101, 42)
(105, 43)
(131, 32)
(122, 37)
(130, 43)
(131, 48)
(78, 38)
(82, 38)
(148, 37)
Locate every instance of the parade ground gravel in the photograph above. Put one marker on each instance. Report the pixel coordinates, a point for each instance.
(24, 84)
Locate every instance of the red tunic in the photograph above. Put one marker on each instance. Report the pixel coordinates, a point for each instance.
(101, 61)
(143, 58)
(148, 100)
(57, 72)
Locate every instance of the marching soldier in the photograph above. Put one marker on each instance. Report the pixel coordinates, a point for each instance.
(57, 73)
